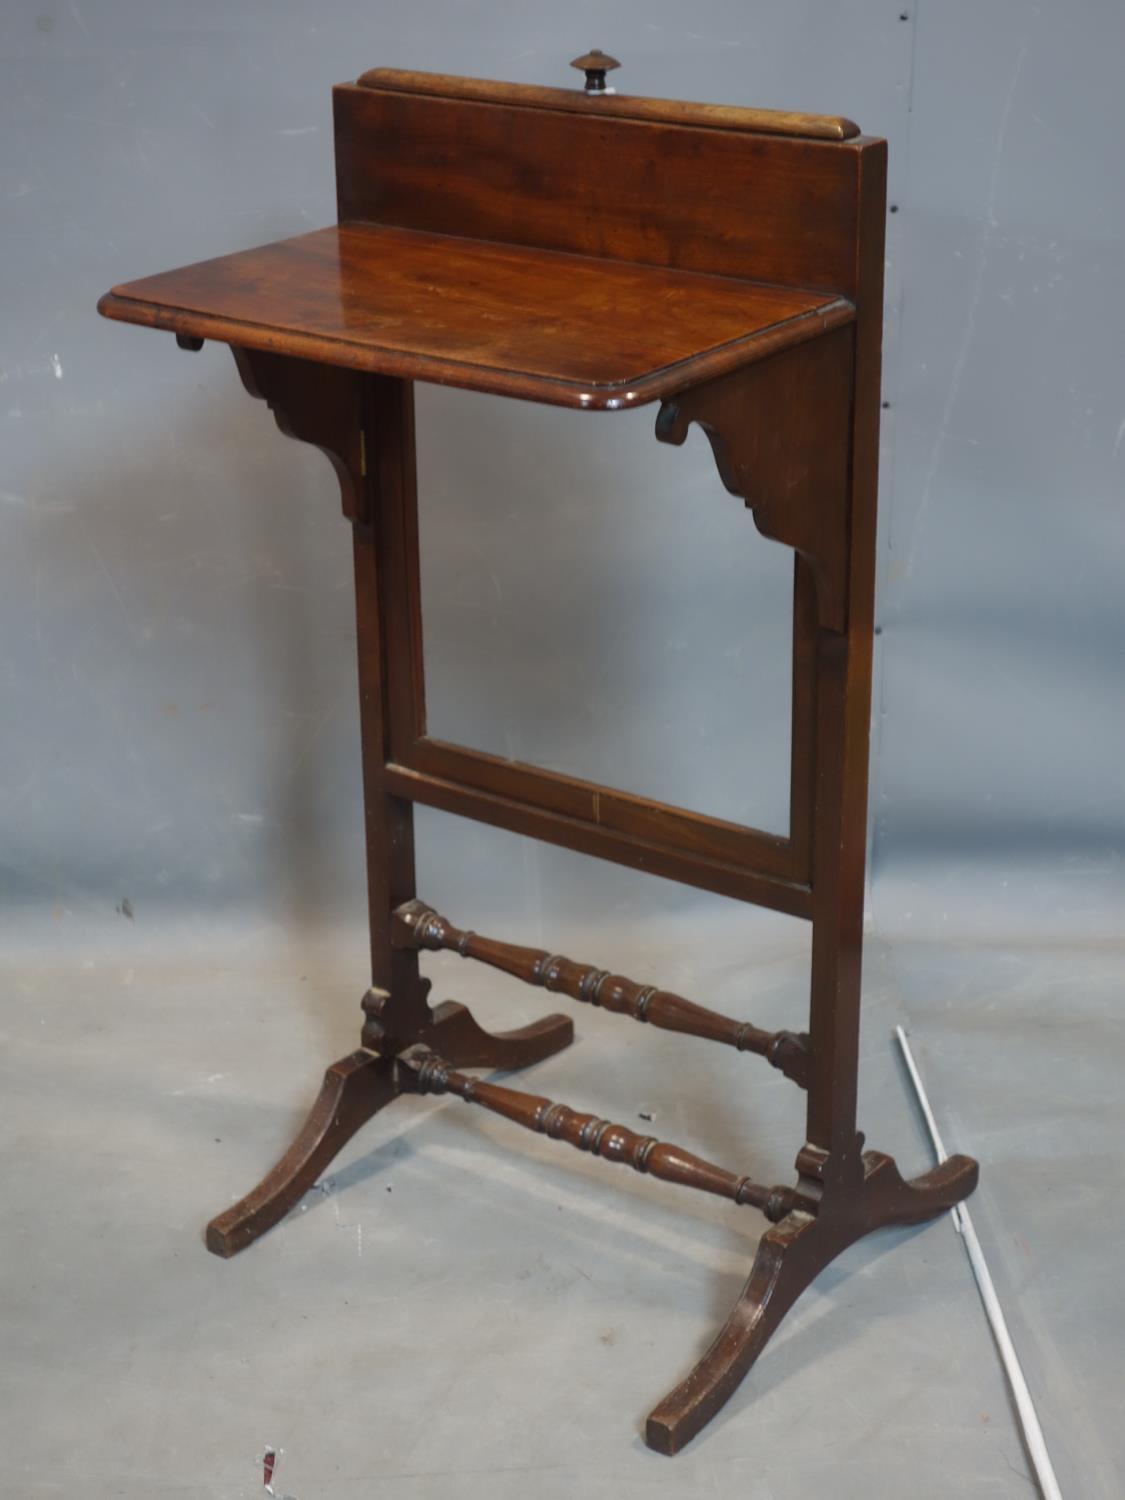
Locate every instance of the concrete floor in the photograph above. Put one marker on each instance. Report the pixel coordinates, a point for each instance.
(463, 1308)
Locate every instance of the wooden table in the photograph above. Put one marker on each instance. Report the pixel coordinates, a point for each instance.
(598, 252)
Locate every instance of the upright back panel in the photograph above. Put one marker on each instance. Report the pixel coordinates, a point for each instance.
(527, 167)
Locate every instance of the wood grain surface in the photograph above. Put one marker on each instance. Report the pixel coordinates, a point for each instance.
(616, 105)
(568, 329)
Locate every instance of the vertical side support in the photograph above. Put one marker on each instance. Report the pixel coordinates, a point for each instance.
(364, 424)
(795, 436)
(350, 416)
(802, 719)
(388, 647)
(843, 712)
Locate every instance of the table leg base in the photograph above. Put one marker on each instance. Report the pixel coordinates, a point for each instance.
(458, 1037)
(847, 1196)
(355, 1089)
(789, 1258)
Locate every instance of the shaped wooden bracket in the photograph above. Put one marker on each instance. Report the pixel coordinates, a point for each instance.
(318, 404)
(779, 433)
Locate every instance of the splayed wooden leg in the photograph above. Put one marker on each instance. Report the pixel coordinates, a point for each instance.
(790, 1256)
(357, 1087)
(459, 1038)
(354, 1089)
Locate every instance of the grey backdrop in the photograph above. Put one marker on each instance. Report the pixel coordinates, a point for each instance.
(180, 719)
(179, 776)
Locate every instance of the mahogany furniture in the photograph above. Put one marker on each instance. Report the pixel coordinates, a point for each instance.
(726, 264)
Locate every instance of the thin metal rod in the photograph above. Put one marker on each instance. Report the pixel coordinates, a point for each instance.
(1025, 1407)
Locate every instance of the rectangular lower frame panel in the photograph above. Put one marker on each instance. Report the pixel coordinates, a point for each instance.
(690, 867)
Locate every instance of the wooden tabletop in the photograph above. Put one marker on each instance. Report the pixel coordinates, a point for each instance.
(572, 330)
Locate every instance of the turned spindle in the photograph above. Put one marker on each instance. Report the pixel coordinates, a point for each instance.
(421, 1071)
(417, 925)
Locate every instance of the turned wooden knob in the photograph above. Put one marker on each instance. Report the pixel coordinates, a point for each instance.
(595, 64)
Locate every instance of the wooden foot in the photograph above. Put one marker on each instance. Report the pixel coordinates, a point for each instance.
(458, 1037)
(357, 1087)
(354, 1089)
(790, 1256)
